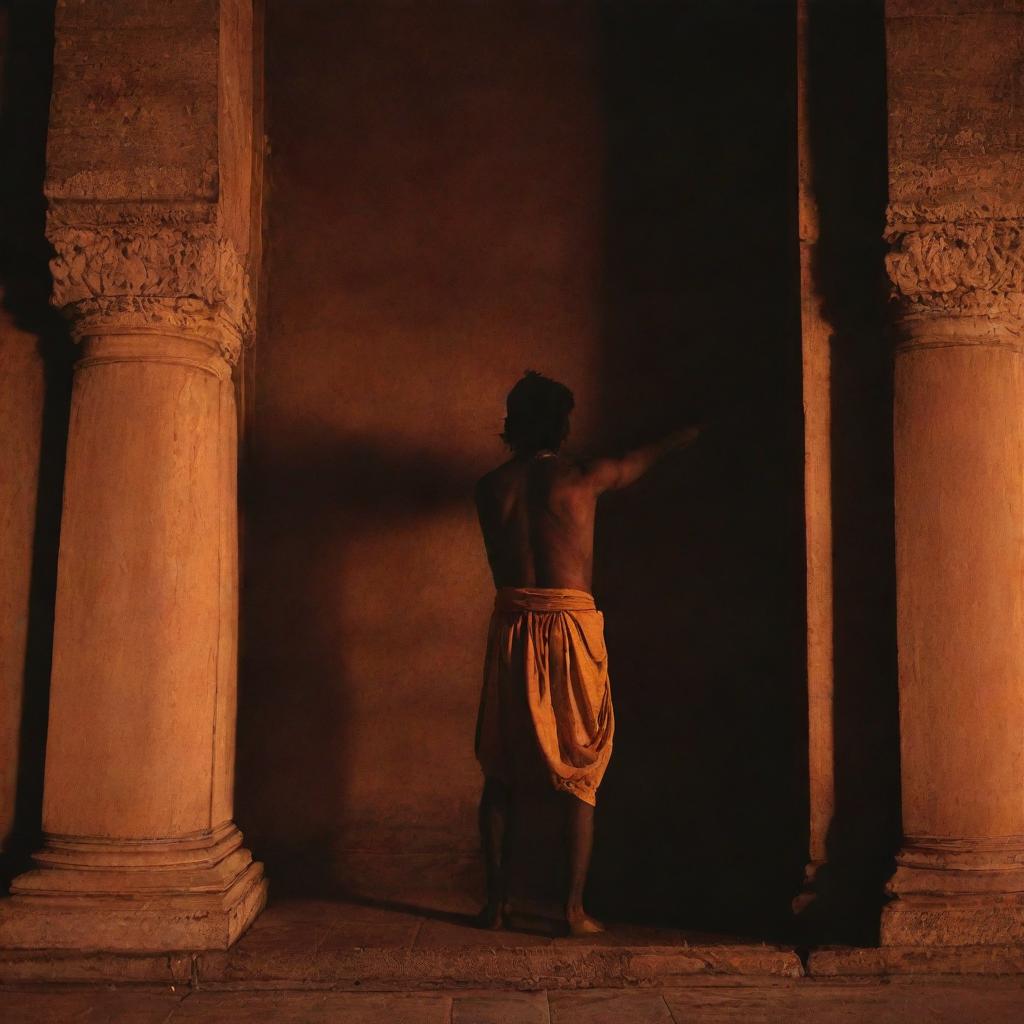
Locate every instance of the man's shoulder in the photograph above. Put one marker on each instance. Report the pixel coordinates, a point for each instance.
(576, 468)
(492, 479)
(572, 478)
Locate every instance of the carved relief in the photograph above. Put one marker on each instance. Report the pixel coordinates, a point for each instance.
(175, 271)
(958, 268)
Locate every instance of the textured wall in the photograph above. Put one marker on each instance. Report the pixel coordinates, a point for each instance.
(460, 191)
(34, 389)
(21, 406)
(434, 230)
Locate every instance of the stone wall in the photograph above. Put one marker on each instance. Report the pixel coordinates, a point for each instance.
(35, 355)
(456, 194)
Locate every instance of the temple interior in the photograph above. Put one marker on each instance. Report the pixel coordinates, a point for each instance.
(268, 271)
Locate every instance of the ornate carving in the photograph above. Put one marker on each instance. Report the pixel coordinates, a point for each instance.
(957, 268)
(174, 271)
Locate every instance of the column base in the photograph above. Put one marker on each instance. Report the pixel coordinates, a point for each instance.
(961, 920)
(956, 892)
(200, 893)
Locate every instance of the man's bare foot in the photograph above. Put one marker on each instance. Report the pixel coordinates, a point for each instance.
(581, 923)
(492, 917)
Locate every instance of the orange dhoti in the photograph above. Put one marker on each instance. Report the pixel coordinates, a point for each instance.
(546, 705)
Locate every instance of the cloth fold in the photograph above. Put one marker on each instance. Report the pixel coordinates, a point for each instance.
(546, 705)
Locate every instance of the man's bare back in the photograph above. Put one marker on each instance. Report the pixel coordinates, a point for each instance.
(537, 517)
(537, 512)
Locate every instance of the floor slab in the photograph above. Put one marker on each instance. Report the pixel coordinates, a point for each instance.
(94, 1006)
(311, 1008)
(605, 1007)
(974, 1001)
(782, 1001)
(501, 1008)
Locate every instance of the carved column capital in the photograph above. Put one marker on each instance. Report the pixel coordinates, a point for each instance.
(149, 269)
(957, 263)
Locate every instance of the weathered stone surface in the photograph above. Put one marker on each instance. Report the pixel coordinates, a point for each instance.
(659, 966)
(310, 1007)
(22, 394)
(36, 1007)
(501, 1008)
(449, 935)
(974, 1001)
(531, 968)
(324, 944)
(954, 126)
(35, 967)
(165, 920)
(916, 960)
(956, 919)
(159, 273)
(600, 1007)
(149, 168)
(381, 949)
(940, 8)
(980, 1002)
(366, 934)
(627, 935)
(134, 109)
(303, 944)
(962, 268)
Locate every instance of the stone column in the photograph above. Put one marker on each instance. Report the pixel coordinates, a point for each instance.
(956, 121)
(149, 177)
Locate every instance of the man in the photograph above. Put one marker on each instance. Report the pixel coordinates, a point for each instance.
(546, 708)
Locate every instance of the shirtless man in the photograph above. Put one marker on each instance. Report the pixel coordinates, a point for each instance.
(545, 708)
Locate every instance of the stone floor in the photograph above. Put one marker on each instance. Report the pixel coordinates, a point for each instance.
(366, 963)
(396, 947)
(974, 1001)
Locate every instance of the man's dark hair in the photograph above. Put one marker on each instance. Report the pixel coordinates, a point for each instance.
(537, 414)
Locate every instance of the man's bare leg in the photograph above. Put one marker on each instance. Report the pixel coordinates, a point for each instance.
(580, 829)
(495, 832)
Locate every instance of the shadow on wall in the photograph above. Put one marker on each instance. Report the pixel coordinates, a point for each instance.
(25, 282)
(292, 758)
(848, 139)
(433, 231)
(700, 569)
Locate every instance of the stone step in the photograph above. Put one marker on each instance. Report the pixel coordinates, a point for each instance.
(388, 969)
(347, 946)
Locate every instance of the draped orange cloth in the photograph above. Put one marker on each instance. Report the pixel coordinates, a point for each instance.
(546, 703)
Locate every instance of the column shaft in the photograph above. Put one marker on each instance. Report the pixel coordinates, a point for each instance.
(140, 749)
(959, 461)
(143, 606)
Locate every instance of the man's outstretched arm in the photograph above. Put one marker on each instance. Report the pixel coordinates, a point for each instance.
(610, 474)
